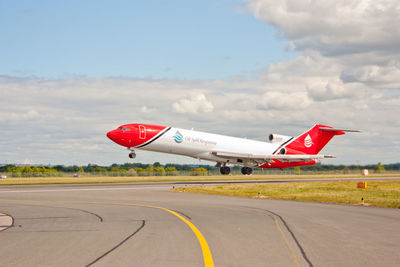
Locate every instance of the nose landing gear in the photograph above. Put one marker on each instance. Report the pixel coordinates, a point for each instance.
(132, 155)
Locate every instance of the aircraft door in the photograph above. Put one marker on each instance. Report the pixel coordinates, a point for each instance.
(142, 132)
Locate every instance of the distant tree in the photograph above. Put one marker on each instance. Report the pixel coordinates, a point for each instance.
(26, 169)
(157, 164)
(346, 170)
(171, 171)
(132, 172)
(379, 168)
(395, 166)
(141, 171)
(150, 169)
(297, 170)
(98, 169)
(198, 171)
(115, 169)
(159, 171)
(75, 168)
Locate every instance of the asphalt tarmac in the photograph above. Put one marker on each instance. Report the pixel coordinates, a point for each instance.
(147, 225)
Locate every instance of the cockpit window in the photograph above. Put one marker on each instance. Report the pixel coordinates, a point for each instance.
(123, 129)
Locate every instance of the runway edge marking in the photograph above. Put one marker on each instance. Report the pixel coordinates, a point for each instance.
(207, 256)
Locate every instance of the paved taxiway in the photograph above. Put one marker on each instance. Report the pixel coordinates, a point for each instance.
(146, 225)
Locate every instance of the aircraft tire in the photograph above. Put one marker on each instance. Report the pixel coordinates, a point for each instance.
(247, 171)
(225, 170)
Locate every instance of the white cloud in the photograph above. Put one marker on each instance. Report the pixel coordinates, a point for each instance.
(355, 41)
(195, 104)
(71, 128)
(386, 76)
(20, 115)
(145, 109)
(279, 100)
(324, 91)
(334, 26)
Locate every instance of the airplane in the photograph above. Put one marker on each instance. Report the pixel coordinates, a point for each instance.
(280, 152)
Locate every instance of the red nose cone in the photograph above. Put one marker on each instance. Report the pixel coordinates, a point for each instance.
(112, 135)
(132, 135)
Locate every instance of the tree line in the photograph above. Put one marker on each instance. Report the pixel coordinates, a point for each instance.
(127, 169)
(170, 169)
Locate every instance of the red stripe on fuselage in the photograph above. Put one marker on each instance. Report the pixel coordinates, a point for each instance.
(280, 165)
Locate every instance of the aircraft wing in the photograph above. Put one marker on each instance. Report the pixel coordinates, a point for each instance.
(268, 158)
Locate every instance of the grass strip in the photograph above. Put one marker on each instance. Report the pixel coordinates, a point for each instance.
(142, 179)
(377, 193)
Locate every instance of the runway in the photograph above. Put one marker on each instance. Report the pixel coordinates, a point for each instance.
(147, 225)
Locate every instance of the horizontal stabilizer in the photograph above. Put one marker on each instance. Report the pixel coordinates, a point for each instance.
(338, 130)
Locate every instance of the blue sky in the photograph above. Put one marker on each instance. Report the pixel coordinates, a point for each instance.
(144, 39)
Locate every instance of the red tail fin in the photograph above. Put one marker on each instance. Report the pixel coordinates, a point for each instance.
(312, 141)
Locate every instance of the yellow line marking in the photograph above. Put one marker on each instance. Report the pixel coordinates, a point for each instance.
(208, 260)
(296, 262)
(207, 257)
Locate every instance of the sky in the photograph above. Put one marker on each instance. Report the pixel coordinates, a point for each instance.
(72, 70)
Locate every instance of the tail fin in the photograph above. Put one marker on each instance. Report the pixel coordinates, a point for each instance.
(312, 141)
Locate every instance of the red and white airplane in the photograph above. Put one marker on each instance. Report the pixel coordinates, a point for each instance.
(280, 152)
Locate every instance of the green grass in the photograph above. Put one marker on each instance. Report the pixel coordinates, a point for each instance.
(139, 179)
(378, 193)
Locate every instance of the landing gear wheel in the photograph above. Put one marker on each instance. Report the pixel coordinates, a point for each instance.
(225, 170)
(132, 155)
(247, 171)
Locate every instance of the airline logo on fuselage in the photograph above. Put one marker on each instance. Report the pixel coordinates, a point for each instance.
(178, 137)
(308, 141)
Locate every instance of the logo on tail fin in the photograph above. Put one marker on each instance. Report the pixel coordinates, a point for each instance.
(308, 141)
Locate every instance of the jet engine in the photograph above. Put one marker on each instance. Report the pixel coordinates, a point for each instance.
(278, 138)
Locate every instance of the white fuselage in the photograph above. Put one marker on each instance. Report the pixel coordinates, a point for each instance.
(200, 145)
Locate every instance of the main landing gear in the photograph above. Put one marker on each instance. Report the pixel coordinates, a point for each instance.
(247, 171)
(225, 170)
